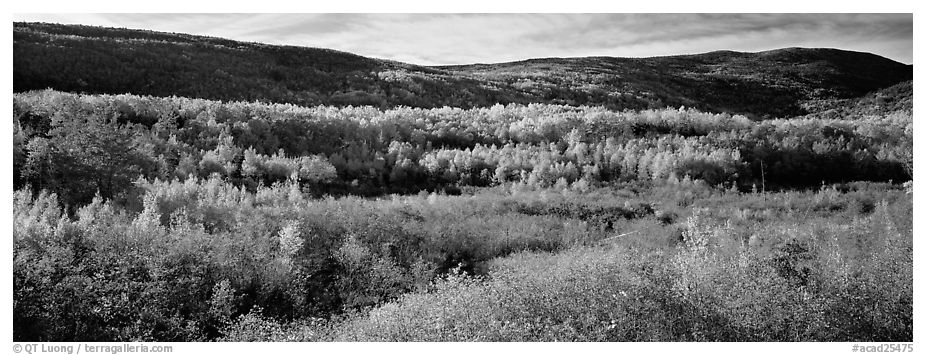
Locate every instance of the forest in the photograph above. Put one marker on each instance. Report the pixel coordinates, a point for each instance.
(141, 218)
(171, 187)
(778, 83)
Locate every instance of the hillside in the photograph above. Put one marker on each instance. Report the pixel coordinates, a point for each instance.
(778, 83)
(775, 83)
(107, 60)
(897, 98)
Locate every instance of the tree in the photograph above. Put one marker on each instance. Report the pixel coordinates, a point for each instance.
(19, 155)
(83, 157)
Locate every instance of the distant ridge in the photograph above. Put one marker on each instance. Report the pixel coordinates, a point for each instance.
(784, 82)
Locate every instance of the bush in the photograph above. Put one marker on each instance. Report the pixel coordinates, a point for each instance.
(785, 285)
(206, 260)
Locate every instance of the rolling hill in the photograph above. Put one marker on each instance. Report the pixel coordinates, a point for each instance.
(779, 83)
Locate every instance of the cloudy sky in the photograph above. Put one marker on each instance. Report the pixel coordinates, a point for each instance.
(433, 39)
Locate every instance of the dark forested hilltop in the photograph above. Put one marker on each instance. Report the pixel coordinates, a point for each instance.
(108, 60)
(779, 83)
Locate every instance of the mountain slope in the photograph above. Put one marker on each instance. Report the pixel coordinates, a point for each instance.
(779, 83)
(897, 98)
(107, 60)
(772, 83)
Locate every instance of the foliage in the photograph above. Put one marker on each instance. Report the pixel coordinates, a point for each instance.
(204, 259)
(103, 142)
(779, 83)
(786, 284)
(391, 215)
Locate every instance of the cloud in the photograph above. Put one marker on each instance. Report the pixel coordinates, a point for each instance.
(430, 39)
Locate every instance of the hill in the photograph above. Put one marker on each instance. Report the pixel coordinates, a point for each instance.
(778, 83)
(108, 60)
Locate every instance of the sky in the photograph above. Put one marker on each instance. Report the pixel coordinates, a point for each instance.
(443, 39)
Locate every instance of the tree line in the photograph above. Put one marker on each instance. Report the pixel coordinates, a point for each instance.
(82, 145)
